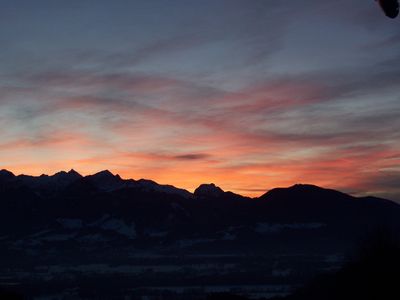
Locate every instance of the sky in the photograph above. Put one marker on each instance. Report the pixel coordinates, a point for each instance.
(249, 95)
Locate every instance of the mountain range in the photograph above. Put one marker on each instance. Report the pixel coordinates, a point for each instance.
(75, 220)
(51, 204)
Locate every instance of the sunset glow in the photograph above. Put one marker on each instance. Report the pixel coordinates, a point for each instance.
(189, 101)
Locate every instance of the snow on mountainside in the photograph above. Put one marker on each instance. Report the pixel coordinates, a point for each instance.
(104, 211)
(103, 181)
(106, 181)
(59, 180)
(169, 189)
(105, 219)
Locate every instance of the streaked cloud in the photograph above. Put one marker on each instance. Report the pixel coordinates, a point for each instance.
(247, 94)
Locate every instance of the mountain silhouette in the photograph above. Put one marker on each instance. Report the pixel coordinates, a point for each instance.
(67, 194)
(69, 219)
(208, 190)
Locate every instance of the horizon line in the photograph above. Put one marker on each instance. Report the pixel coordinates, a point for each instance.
(263, 191)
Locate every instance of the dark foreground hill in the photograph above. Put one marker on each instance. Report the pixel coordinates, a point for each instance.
(70, 233)
(372, 274)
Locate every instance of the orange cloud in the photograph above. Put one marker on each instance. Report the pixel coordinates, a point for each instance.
(246, 141)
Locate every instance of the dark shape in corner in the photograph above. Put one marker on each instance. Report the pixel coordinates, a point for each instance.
(372, 274)
(389, 7)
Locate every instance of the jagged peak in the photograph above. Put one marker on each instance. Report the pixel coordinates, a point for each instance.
(104, 173)
(73, 172)
(70, 173)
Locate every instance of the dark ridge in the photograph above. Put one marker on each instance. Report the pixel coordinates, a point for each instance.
(103, 219)
(103, 173)
(73, 172)
(208, 190)
(308, 189)
(5, 174)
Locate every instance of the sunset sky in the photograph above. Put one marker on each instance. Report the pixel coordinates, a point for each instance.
(249, 95)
